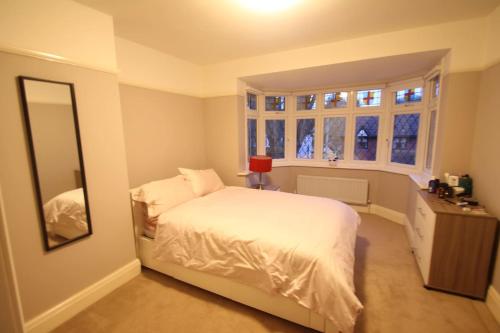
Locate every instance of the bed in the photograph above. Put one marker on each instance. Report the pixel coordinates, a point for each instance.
(286, 254)
(65, 214)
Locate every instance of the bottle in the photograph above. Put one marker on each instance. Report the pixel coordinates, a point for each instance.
(433, 184)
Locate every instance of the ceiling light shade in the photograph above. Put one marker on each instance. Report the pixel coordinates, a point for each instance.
(268, 6)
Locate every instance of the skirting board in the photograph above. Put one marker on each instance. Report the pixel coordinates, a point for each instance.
(493, 302)
(386, 213)
(57, 315)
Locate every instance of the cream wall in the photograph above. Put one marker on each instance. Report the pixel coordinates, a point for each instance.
(46, 279)
(144, 67)
(465, 39)
(70, 33)
(61, 28)
(485, 158)
(385, 189)
(221, 137)
(492, 52)
(457, 116)
(163, 131)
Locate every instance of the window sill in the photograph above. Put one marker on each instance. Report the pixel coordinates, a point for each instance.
(420, 179)
(343, 165)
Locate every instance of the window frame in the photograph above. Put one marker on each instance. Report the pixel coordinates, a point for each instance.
(294, 98)
(374, 108)
(347, 155)
(349, 105)
(294, 137)
(379, 138)
(247, 109)
(418, 149)
(385, 113)
(248, 117)
(286, 136)
(277, 94)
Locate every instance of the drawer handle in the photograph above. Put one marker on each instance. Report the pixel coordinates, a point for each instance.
(421, 211)
(419, 233)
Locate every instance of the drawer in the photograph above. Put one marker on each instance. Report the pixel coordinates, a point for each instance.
(425, 221)
(425, 217)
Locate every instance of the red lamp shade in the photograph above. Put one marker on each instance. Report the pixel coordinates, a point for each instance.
(261, 163)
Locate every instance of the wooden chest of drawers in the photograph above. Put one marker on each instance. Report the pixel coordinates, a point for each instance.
(453, 248)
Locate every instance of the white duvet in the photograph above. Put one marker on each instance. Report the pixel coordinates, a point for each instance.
(67, 210)
(298, 246)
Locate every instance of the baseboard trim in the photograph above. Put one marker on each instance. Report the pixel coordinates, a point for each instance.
(493, 302)
(387, 213)
(361, 209)
(57, 315)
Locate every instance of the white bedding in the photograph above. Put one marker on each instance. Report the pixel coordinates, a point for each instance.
(67, 210)
(298, 246)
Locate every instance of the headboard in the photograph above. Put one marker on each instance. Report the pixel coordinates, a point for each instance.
(139, 213)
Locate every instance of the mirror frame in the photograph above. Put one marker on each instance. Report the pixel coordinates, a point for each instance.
(34, 169)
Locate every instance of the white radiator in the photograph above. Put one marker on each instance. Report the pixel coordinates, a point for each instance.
(348, 190)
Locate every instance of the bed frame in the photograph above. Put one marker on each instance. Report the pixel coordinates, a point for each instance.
(276, 305)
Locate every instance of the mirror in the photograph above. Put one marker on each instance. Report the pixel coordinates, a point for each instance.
(52, 128)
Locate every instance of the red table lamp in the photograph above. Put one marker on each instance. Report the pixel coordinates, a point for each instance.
(260, 164)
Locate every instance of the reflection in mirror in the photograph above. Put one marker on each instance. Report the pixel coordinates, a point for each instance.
(52, 126)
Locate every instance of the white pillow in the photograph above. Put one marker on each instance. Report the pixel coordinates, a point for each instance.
(203, 181)
(161, 195)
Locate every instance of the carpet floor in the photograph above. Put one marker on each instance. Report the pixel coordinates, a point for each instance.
(387, 280)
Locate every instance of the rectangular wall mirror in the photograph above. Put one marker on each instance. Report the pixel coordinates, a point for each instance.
(52, 128)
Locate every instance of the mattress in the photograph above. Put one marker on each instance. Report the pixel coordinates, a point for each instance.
(296, 246)
(65, 214)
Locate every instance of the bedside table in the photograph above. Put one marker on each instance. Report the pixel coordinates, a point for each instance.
(268, 187)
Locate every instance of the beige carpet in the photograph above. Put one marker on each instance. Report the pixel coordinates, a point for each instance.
(387, 281)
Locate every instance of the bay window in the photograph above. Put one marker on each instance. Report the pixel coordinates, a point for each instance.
(337, 99)
(275, 103)
(306, 102)
(334, 137)
(369, 98)
(405, 138)
(305, 138)
(386, 127)
(366, 134)
(275, 138)
(251, 137)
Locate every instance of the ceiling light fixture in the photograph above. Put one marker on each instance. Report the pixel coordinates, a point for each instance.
(268, 5)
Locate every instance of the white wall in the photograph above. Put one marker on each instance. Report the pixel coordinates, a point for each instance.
(61, 28)
(147, 68)
(492, 52)
(464, 38)
(83, 36)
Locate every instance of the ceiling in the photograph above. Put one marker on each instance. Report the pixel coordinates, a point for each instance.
(351, 73)
(212, 31)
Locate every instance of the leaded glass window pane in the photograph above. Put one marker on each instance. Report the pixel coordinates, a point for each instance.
(335, 100)
(252, 137)
(275, 138)
(404, 138)
(435, 86)
(365, 148)
(367, 98)
(275, 103)
(430, 141)
(409, 96)
(252, 101)
(333, 137)
(306, 102)
(305, 138)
